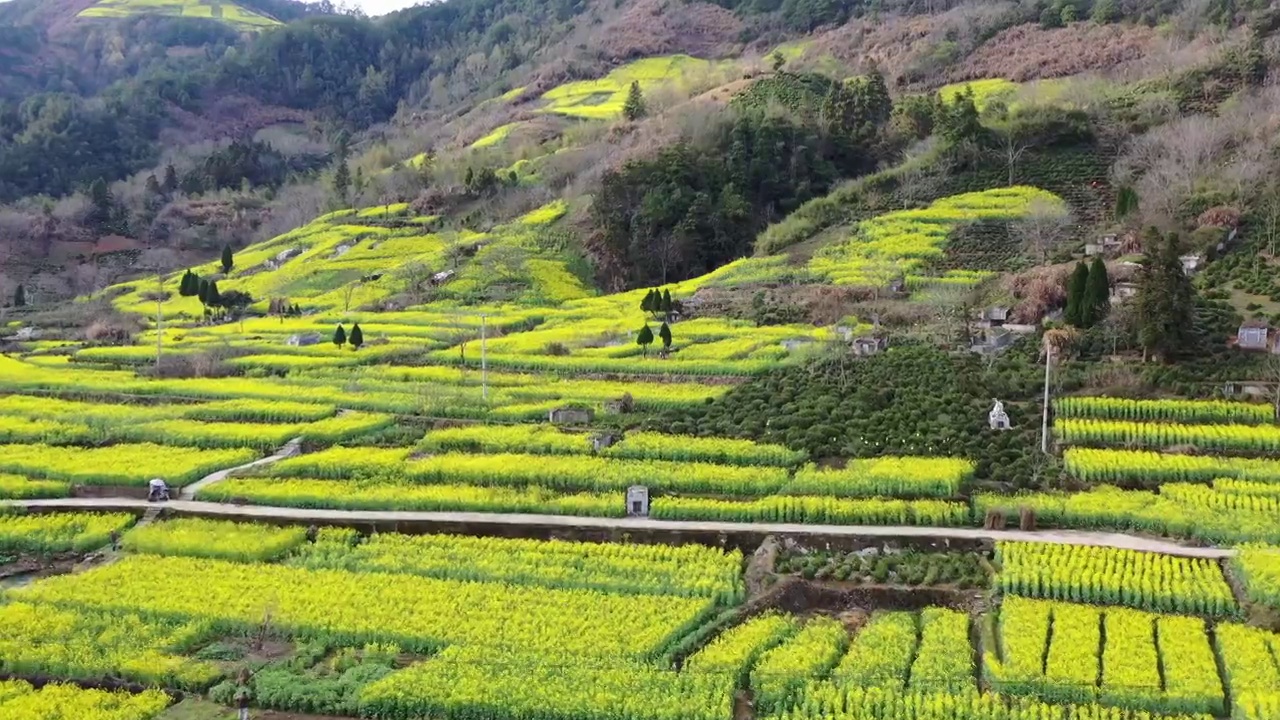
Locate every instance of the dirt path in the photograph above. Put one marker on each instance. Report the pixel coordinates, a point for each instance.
(291, 448)
(568, 522)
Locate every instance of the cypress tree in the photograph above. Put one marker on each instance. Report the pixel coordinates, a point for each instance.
(646, 305)
(645, 338)
(634, 108)
(202, 291)
(1075, 295)
(228, 260)
(666, 302)
(339, 336)
(1165, 304)
(1097, 294)
(20, 297)
(664, 333)
(357, 336)
(213, 297)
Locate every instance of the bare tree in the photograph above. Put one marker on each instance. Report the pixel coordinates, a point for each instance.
(1044, 225)
(347, 293)
(1014, 143)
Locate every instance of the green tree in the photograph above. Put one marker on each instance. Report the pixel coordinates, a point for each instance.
(342, 181)
(190, 285)
(228, 260)
(634, 109)
(170, 184)
(1097, 294)
(777, 60)
(1106, 12)
(664, 333)
(645, 338)
(646, 305)
(1069, 14)
(340, 336)
(357, 336)
(1050, 18)
(1126, 202)
(1165, 303)
(20, 297)
(212, 297)
(103, 205)
(202, 291)
(666, 302)
(960, 121)
(1075, 295)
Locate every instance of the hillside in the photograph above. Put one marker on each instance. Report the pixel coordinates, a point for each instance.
(662, 360)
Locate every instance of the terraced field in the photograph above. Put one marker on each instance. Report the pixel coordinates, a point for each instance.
(227, 12)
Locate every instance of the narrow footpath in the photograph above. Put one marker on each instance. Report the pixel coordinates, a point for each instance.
(291, 448)
(568, 522)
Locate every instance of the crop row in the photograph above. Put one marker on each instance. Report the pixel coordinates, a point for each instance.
(1114, 576)
(89, 646)
(194, 537)
(377, 495)
(547, 439)
(193, 433)
(885, 476)
(880, 654)
(59, 532)
(1106, 507)
(118, 464)
(1055, 651)
(943, 662)
(1259, 567)
(1143, 467)
(419, 614)
(782, 672)
(688, 570)
(1249, 669)
(1180, 411)
(16, 487)
(467, 683)
(824, 701)
(19, 701)
(1237, 438)
(735, 651)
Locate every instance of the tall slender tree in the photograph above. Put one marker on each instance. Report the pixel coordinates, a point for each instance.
(645, 338)
(357, 336)
(1075, 295)
(340, 336)
(20, 297)
(664, 333)
(1165, 303)
(1097, 294)
(228, 260)
(634, 108)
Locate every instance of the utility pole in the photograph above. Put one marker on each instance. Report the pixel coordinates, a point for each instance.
(484, 360)
(1044, 421)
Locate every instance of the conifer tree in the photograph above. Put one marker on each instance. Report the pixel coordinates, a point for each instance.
(357, 336)
(228, 260)
(664, 333)
(646, 305)
(1075, 295)
(645, 338)
(213, 298)
(1165, 303)
(1097, 294)
(666, 302)
(20, 297)
(202, 291)
(340, 336)
(634, 108)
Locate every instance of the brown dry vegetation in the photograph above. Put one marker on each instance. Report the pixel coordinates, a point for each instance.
(659, 27)
(1029, 52)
